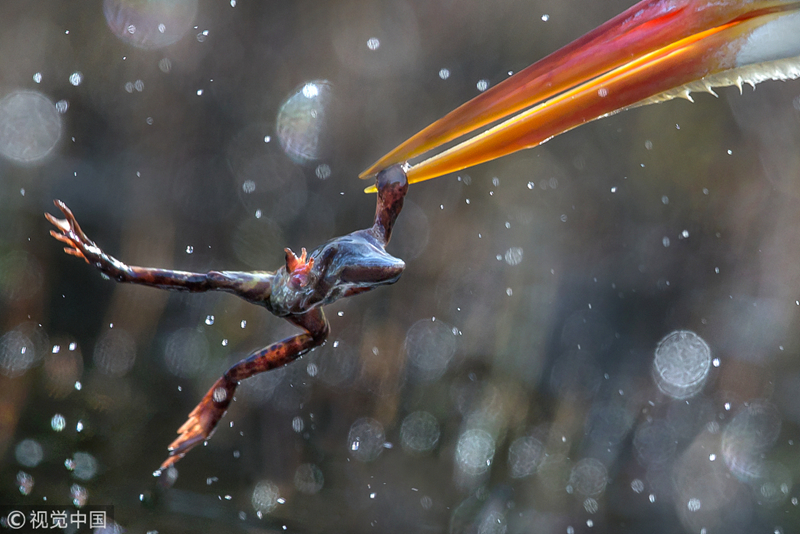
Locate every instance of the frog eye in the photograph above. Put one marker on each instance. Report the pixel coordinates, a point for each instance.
(298, 267)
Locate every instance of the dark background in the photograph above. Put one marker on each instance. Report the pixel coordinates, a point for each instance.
(552, 275)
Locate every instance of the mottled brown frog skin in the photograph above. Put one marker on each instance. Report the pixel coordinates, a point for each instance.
(342, 267)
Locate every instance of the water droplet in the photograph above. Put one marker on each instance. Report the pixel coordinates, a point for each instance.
(444, 73)
(76, 78)
(209, 320)
(220, 395)
(482, 85)
(373, 43)
(323, 171)
(513, 256)
(37, 77)
(297, 424)
(24, 482)
(58, 422)
(189, 249)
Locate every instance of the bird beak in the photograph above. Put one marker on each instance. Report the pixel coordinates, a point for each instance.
(654, 51)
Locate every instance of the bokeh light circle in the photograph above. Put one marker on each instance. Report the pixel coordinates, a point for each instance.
(17, 354)
(365, 439)
(475, 451)
(419, 432)
(265, 496)
(751, 433)
(429, 346)
(30, 127)
(302, 121)
(150, 24)
(681, 364)
(29, 453)
(525, 455)
(308, 479)
(589, 477)
(84, 466)
(115, 352)
(186, 352)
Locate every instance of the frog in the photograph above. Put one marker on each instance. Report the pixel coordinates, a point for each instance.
(342, 267)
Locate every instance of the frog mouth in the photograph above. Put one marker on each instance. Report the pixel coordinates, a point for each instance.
(655, 51)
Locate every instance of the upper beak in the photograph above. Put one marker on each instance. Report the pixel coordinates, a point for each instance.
(654, 51)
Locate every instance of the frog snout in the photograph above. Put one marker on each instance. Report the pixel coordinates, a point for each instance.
(394, 269)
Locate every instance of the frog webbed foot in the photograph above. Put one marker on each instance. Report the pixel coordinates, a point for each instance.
(202, 421)
(69, 232)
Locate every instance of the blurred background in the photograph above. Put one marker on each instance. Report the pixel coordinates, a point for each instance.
(596, 335)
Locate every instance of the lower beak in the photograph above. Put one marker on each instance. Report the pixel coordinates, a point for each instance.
(654, 51)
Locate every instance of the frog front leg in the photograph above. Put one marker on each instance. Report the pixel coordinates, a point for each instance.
(255, 287)
(204, 418)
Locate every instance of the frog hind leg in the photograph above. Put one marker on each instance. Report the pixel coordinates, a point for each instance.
(206, 415)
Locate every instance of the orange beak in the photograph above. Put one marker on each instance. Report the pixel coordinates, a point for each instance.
(654, 51)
